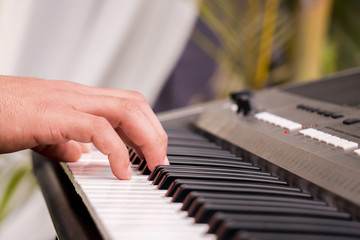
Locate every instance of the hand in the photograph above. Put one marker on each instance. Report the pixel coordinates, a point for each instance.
(54, 118)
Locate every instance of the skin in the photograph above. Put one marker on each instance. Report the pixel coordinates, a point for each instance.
(57, 118)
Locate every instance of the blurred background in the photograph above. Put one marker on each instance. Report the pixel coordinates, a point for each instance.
(176, 53)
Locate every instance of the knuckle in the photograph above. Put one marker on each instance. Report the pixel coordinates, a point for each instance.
(139, 97)
(100, 123)
(165, 138)
(129, 105)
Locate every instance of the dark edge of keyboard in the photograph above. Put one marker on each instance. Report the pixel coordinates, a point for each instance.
(292, 179)
(70, 216)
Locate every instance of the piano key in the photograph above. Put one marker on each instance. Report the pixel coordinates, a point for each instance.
(208, 210)
(136, 160)
(146, 170)
(212, 163)
(229, 228)
(168, 178)
(177, 154)
(194, 195)
(226, 184)
(179, 193)
(212, 173)
(141, 165)
(246, 235)
(193, 144)
(199, 202)
(185, 137)
(199, 150)
(201, 154)
(194, 168)
(219, 218)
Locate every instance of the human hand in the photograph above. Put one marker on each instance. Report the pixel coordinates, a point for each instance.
(55, 118)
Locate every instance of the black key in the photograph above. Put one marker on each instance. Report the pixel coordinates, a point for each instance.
(350, 121)
(170, 177)
(227, 184)
(194, 195)
(186, 136)
(189, 150)
(245, 235)
(219, 218)
(178, 191)
(212, 172)
(228, 229)
(200, 168)
(193, 144)
(202, 155)
(208, 210)
(199, 202)
(146, 170)
(142, 165)
(136, 160)
(208, 160)
(130, 150)
(211, 164)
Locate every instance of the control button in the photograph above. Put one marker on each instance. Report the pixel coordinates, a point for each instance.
(244, 102)
(357, 152)
(329, 139)
(320, 112)
(327, 113)
(336, 115)
(348, 145)
(301, 106)
(311, 109)
(326, 138)
(278, 121)
(351, 121)
(308, 132)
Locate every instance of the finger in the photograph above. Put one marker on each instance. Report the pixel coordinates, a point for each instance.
(129, 143)
(128, 116)
(85, 148)
(83, 127)
(65, 152)
(88, 90)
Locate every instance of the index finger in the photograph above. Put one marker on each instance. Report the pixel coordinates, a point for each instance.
(129, 116)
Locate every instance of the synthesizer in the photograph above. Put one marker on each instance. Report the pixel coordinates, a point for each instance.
(282, 163)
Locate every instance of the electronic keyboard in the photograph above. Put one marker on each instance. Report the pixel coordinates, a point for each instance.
(282, 163)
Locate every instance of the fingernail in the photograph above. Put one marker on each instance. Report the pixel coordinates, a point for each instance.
(128, 173)
(166, 161)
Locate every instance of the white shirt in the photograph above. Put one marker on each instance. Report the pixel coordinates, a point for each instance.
(125, 44)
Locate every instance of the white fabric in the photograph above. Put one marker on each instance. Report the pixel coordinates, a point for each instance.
(120, 43)
(125, 44)
(30, 221)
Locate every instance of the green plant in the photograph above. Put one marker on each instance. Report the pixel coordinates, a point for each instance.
(17, 182)
(265, 42)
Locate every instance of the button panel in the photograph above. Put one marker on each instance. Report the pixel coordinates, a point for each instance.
(319, 111)
(329, 139)
(278, 121)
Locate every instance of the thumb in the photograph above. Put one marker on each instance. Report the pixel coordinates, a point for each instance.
(66, 152)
